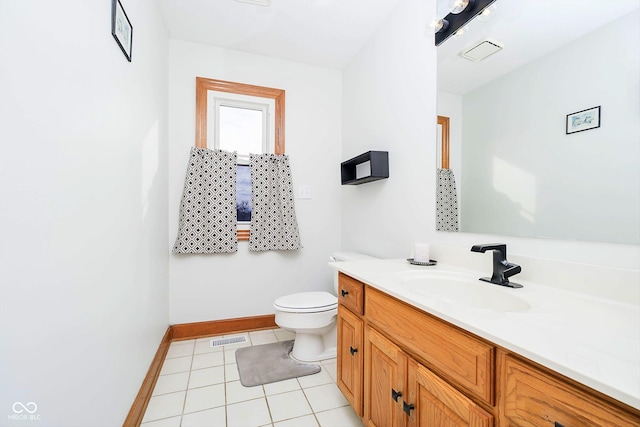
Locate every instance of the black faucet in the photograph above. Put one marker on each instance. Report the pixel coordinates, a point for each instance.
(502, 269)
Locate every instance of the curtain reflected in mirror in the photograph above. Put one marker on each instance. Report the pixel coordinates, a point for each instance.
(446, 194)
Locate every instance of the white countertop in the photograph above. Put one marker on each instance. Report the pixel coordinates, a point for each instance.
(593, 340)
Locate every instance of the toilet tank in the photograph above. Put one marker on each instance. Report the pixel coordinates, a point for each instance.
(346, 256)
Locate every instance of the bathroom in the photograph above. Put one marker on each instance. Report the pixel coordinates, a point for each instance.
(89, 285)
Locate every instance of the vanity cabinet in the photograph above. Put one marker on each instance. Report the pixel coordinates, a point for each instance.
(385, 378)
(401, 367)
(462, 359)
(350, 357)
(534, 397)
(399, 391)
(350, 340)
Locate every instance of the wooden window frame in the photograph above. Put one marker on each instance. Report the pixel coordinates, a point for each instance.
(444, 122)
(204, 85)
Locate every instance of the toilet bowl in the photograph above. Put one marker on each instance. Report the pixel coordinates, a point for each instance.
(312, 316)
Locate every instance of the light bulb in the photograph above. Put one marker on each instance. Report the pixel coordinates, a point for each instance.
(438, 24)
(487, 13)
(457, 6)
(462, 31)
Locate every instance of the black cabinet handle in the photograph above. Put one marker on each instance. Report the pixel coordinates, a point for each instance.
(344, 293)
(557, 424)
(352, 350)
(407, 408)
(395, 394)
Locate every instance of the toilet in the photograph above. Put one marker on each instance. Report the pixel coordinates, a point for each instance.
(312, 316)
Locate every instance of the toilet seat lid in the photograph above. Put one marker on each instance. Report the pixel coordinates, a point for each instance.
(306, 302)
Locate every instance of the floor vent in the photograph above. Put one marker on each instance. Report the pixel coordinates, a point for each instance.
(236, 339)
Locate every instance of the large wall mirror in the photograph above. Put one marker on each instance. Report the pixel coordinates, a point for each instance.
(518, 170)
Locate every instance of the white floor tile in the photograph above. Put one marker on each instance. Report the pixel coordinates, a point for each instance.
(284, 335)
(180, 349)
(288, 405)
(164, 406)
(165, 422)
(175, 365)
(196, 381)
(206, 376)
(236, 392)
(202, 398)
(251, 413)
(207, 360)
(205, 347)
(331, 368)
(262, 337)
(314, 380)
(231, 372)
(325, 397)
(230, 356)
(281, 386)
(170, 383)
(306, 421)
(215, 417)
(340, 417)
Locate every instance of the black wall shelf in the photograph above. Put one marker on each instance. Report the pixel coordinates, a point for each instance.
(379, 161)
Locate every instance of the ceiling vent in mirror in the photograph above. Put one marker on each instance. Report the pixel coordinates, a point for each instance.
(482, 50)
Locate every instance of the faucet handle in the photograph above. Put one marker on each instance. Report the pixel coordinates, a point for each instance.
(490, 247)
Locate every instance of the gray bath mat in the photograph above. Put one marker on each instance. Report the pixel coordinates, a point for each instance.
(268, 363)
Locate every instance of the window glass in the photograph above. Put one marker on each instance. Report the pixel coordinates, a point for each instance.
(243, 193)
(241, 129)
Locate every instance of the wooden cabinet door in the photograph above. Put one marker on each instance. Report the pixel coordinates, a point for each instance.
(533, 398)
(350, 357)
(436, 403)
(384, 381)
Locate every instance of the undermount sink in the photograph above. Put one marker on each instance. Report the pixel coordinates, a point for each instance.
(462, 290)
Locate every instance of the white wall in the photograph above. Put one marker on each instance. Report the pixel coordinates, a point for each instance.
(83, 262)
(222, 286)
(525, 177)
(389, 103)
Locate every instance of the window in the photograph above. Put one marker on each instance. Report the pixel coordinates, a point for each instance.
(243, 118)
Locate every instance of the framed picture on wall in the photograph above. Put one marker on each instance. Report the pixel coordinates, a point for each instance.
(121, 29)
(583, 120)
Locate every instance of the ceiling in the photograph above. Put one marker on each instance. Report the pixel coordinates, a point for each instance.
(319, 32)
(330, 32)
(528, 29)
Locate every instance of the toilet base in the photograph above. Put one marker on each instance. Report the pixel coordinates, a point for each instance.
(313, 347)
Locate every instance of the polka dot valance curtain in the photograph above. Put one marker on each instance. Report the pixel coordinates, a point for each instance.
(208, 211)
(446, 201)
(273, 220)
(208, 208)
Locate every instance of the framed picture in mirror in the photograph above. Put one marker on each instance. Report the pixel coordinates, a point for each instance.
(583, 120)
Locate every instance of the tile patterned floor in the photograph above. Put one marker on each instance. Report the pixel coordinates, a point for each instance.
(199, 386)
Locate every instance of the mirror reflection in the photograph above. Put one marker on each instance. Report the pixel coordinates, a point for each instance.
(519, 170)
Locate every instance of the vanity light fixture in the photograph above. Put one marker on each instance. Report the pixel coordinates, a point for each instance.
(465, 11)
